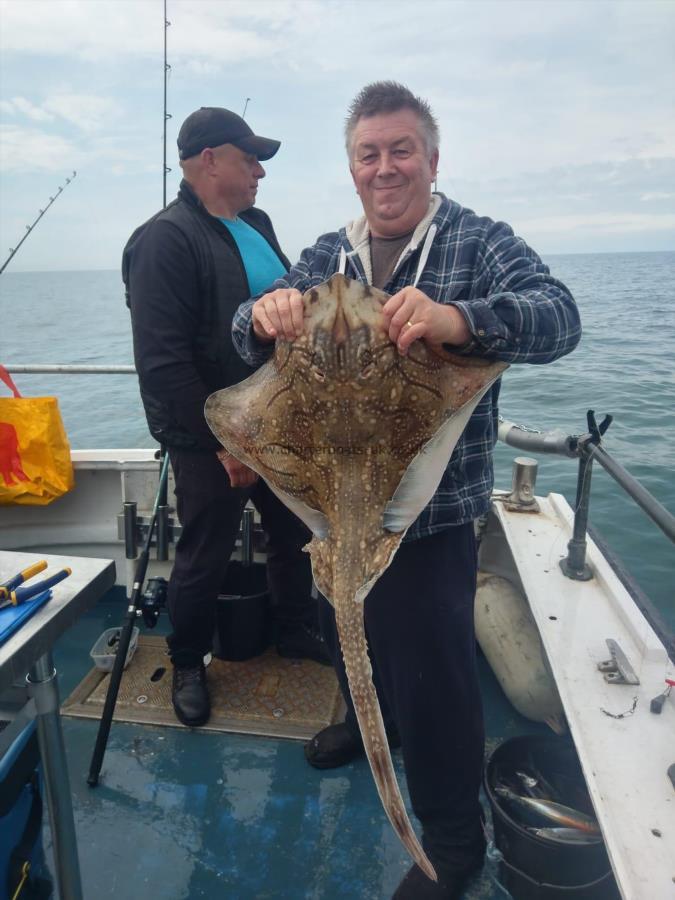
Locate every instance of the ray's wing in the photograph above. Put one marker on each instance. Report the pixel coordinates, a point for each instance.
(463, 384)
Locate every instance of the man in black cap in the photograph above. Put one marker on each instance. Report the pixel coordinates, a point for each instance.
(186, 271)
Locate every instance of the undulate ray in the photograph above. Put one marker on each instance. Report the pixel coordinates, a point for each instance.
(354, 438)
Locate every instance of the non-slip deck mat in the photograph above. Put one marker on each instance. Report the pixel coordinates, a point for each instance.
(266, 695)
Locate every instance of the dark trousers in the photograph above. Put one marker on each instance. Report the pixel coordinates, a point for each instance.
(210, 510)
(420, 630)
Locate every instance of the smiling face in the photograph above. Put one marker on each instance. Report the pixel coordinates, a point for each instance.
(393, 171)
(235, 177)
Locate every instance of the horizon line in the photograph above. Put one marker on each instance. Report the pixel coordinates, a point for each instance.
(543, 256)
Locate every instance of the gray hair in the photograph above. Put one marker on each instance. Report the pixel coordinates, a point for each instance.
(389, 97)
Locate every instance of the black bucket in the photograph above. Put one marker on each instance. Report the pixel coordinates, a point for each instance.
(242, 613)
(538, 868)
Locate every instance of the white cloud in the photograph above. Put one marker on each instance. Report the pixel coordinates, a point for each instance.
(657, 195)
(25, 150)
(85, 29)
(619, 185)
(605, 222)
(93, 30)
(26, 108)
(87, 112)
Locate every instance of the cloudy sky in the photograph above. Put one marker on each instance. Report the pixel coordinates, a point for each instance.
(556, 117)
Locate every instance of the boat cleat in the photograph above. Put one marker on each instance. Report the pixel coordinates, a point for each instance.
(617, 670)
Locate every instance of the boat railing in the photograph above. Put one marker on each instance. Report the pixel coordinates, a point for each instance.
(68, 369)
(586, 448)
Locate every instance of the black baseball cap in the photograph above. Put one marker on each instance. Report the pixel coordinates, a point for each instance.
(212, 126)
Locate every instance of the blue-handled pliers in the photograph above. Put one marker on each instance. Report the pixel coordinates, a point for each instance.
(15, 595)
(7, 587)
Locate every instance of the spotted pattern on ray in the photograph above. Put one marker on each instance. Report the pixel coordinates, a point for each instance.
(352, 435)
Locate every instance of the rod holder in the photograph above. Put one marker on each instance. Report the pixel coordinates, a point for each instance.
(574, 565)
(247, 537)
(162, 532)
(130, 523)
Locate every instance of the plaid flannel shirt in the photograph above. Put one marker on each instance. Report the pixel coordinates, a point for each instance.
(516, 312)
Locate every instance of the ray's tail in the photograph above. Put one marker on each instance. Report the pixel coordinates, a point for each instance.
(351, 629)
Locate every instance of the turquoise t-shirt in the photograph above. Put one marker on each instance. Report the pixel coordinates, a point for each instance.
(262, 264)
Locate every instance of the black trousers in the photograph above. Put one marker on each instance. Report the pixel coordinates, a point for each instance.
(420, 630)
(210, 510)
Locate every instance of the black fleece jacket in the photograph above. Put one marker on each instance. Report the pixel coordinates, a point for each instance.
(184, 279)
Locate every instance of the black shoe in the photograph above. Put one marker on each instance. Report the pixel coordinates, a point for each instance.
(452, 878)
(336, 746)
(416, 885)
(190, 695)
(303, 642)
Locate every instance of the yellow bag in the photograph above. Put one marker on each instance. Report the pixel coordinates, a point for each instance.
(35, 466)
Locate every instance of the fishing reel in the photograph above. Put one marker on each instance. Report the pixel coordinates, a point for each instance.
(153, 600)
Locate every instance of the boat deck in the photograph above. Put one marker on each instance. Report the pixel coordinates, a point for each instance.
(182, 814)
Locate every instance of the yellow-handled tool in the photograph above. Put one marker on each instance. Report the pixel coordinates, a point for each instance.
(21, 594)
(8, 586)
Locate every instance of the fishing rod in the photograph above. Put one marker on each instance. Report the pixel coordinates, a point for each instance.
(137, 601)
(167, 115)
(29, 228)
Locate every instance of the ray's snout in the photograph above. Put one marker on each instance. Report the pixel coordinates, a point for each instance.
(340, 350)
(340, 326)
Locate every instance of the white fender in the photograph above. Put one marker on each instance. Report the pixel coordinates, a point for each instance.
(509, 638)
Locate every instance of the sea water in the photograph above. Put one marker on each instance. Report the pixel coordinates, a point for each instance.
(624, 365)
